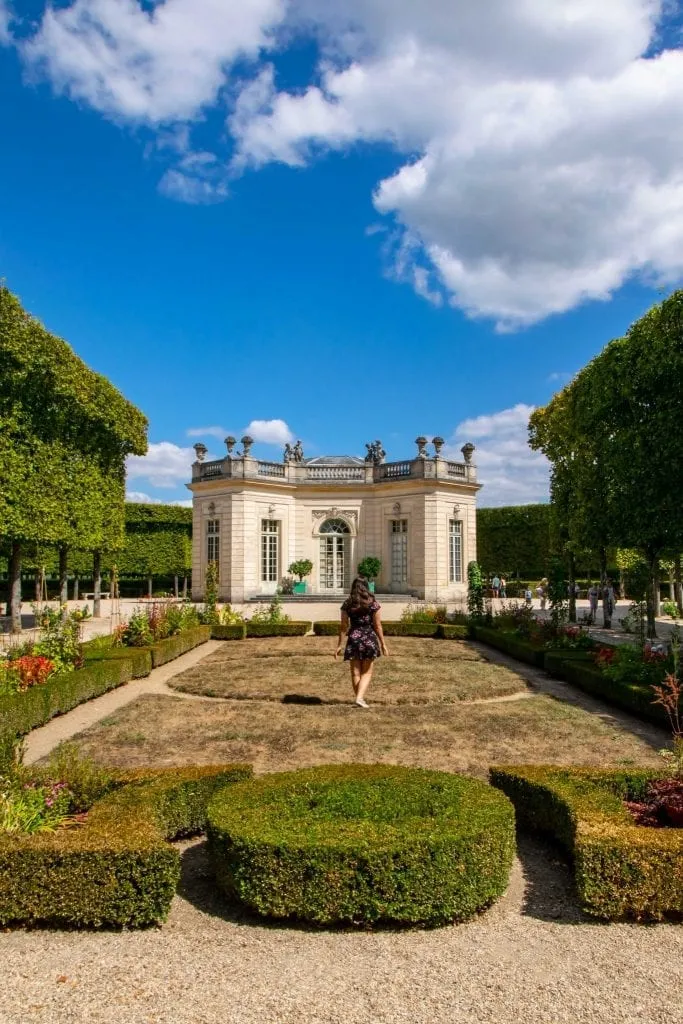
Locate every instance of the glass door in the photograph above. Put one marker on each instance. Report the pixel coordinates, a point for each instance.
(334, 551)
(399, 552)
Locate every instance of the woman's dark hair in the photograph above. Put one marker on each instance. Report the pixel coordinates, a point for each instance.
(360, 596)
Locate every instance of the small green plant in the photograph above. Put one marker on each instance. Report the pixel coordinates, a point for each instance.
(229, 617)
(86, 780)
(369, 567)
(60, 641)
(273, 615)
(475, 591)
(670, 608)
(210, 614)
(29, 807)
(286, 585)
(136, 632)
(301, 569)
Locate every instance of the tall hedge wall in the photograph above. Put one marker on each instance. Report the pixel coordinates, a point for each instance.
(514, 540)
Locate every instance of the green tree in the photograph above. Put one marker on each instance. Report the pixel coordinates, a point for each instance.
(65, 432)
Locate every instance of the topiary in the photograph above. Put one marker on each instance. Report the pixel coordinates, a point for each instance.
(361, 844)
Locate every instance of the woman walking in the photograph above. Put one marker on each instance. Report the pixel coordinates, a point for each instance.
(360, 621)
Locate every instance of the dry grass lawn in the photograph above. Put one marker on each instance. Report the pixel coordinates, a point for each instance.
(417, 672)
(277, 737)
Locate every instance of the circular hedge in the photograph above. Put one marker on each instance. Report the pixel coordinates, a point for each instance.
(360, 844)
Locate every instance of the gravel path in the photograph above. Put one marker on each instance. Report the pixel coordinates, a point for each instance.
(530, 960)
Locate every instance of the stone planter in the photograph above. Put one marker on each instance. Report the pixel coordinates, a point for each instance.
(299, 588)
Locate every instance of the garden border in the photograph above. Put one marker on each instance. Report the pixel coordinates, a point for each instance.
(622, 870)
(117, 869)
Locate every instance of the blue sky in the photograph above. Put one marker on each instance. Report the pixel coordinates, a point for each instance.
(340, 221)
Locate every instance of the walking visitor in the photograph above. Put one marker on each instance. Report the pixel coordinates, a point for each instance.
(495, 585)
(503, 587)
(593, 598)
(362, 625)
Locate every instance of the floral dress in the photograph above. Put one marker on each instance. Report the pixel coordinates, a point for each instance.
(362, 642)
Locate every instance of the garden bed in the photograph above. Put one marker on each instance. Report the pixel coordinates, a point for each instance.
(622, 870)
(362, 844)
(510, 644)
(117, 868)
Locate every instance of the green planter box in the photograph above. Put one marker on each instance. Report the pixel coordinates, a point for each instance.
(371, 588)
(299, 588)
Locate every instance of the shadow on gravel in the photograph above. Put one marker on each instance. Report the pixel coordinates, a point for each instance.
(548, 889)
(548, 883)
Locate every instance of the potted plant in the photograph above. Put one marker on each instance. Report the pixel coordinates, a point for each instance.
(302, 568)
(370, 567)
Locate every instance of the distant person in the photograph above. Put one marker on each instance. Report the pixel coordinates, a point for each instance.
(528, 597)
(362, 625)
(541, 595)
(503, 586)
(593, 599)
(495, 585)
(610, 597)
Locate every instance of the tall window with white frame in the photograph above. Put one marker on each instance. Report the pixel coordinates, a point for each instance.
(455, 551)
(213, 538)
(270, 550)
(399, 552)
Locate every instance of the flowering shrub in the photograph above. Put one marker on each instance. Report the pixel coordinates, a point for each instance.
(31, 807)
(273, 615)
(635, 666)
(229, 617)
(605, 656)
(148, 625)
(572, 638)
(669, 694)
(33, 670)
(424, 613)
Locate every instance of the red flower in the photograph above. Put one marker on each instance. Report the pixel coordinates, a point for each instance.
(34, 670)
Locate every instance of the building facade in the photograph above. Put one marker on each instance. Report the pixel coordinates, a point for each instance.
(254, 518)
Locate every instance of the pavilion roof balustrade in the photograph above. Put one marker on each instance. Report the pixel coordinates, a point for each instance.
(241, 468)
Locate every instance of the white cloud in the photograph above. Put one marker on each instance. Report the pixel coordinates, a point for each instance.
(5, 15)
(164, 465)
(220, 432)
(261, 431)
(141, 498)
(512, 474)
(541, 151)
(150, 65)
(270, 431)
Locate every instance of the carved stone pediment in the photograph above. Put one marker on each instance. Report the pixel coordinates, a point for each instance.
(350, 514)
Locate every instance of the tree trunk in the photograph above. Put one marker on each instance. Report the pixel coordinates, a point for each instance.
(571, 583)
(97, 585)
(14, 584)
(606, 605)
(652, 595)
(36, 587)
(150, 586)
(63, 578)
(175, 586)
(678, 585)
(76, 588)
(672, 586)
(184, 588)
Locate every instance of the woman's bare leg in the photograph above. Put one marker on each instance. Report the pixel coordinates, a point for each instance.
(355, 665)
(366, 668)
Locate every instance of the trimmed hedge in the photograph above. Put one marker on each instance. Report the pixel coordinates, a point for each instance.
(21, 712)
(509, 644)
(628, 696)
(166, 650)
(447, 632)
(327, 628)
(555, 659)
(234, 632)
(255, 629)
(139, 657)
(360, 844)
(424, 629)
(441, 631)
(117, 869)
(622, 870)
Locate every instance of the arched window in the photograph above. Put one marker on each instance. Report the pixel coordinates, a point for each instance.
(335, 526)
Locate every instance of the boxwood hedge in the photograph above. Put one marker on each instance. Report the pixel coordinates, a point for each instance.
(116, 869)
(419, 629)
(166, 650)
(327, 628)
(509, 643)
(238, 631)
(21, 712)
(361, 844)
(582, 672)
(255, 629)
(139, 657)
(622, 870)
